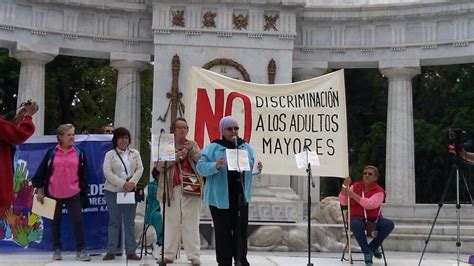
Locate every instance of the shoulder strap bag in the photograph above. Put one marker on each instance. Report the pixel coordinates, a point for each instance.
(190, 184)
(139, 191)
(371, 226)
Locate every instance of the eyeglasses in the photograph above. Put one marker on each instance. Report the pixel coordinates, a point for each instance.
(186, 128)
(368, 173)
(232, 128)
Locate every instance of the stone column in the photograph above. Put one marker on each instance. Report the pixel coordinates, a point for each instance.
(31, 84)
(300, 183)
(400, 160)
(300, 74)
(128, 97)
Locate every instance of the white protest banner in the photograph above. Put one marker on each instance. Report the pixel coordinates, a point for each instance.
(278, 121)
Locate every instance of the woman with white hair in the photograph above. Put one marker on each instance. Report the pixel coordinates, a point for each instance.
(228, 193)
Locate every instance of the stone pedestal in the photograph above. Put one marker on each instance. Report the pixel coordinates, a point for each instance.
(128, 101)
(279, 204)
(400, 154)
(31, 84)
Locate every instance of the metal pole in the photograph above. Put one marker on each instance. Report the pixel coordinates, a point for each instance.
(349, 227)
(458, 215)
(309, 211)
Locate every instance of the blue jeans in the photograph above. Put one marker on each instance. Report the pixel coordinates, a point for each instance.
(384, 228)
(117, 214)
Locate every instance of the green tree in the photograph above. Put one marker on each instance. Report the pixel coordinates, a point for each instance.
(9, 77)
(366, 99)
(442, 98)
(79, 91)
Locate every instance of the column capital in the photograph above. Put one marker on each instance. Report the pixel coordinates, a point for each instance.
(301, 73)
(129, 60)
(400, 72)
(25, 56)
(124, 64)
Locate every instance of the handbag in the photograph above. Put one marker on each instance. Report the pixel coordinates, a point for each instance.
(190, 184)
(139, 193)
(371, 226)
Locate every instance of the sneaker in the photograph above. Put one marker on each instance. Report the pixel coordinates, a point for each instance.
(166, 260)
(82, 255)
(57, 255)
(368, 258)
(109, 256)
(195, 262)
(375, 251)
(133, 257)
(377, 254)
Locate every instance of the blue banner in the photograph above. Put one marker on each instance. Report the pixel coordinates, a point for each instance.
(21, 230)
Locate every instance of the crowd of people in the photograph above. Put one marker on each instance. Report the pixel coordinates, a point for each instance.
(179, 188)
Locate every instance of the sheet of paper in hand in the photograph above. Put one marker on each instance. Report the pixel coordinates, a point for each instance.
(237, 161)
(125, 197)
(46, 209)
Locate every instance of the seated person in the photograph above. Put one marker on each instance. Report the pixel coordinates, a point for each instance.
(153, 212)
(366, 200)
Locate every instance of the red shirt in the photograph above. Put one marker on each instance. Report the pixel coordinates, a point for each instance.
(10, 133)
(372, 200)
(64, 182)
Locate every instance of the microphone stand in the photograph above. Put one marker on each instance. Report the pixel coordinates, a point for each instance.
(310, 182)
(240, 205)
(165, 200)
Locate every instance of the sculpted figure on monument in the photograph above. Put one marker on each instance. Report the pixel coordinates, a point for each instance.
(240, 21)
(208, 19)
(178, 18)
(270, 22)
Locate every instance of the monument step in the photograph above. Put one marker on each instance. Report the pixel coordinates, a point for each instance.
(441, 228)
(437, 243)
(433, 237)
(430, 220)
(427, 211)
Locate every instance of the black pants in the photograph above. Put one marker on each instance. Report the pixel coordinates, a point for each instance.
(73, 205)
(230, 237)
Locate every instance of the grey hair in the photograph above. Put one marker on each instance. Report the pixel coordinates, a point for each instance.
(226, 122)
(62, 129)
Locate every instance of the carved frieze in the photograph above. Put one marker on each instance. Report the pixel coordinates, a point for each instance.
(177, 19)
(208, 19)
(7, 28)
(270, 22)
(240, 21)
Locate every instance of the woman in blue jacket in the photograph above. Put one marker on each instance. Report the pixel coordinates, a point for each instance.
(228, 194)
